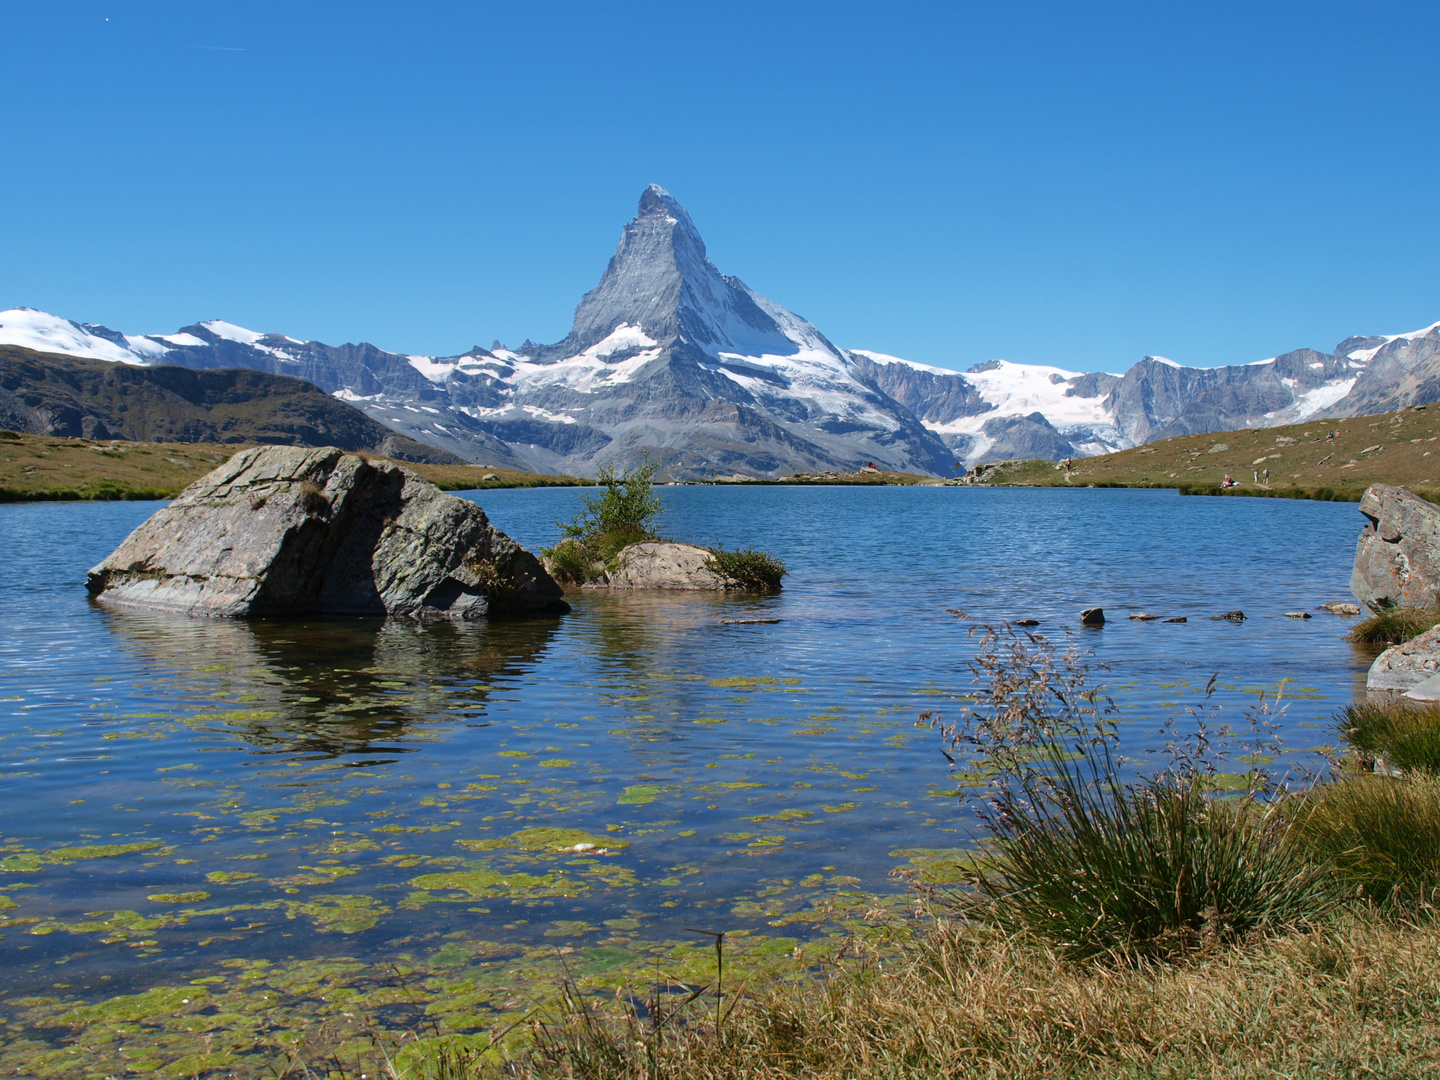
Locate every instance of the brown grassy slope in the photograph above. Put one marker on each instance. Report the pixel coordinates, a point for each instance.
(1393, 448)
(47, 467)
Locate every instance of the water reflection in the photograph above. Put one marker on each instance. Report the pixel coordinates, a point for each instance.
(324, 689)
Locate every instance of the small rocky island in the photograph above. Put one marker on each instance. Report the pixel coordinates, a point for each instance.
(611, 544)
(293, 531)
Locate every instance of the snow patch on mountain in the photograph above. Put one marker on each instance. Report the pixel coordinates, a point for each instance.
(230, 332)
(43, 332)
(885, 358)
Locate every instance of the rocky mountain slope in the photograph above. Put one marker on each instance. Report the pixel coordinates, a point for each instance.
(45, 394)
(669, 357)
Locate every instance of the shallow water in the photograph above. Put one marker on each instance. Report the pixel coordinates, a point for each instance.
(228, 806)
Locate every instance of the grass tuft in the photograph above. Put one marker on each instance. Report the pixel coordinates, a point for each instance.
(1381, 833)
(1405, 734)
(1395, 625)
(753, 570)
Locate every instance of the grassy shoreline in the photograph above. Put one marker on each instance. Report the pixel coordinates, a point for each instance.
(1305, 461)
(47, 468)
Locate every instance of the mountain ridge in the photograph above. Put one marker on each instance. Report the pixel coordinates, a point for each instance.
(669, 358)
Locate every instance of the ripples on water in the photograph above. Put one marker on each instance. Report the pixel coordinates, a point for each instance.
(306, 774)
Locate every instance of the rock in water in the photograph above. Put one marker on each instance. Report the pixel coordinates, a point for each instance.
(1336, 607)
(1231, 616)
(1092, 616)
(292, 531)
(663, 565)
(1402, 667)
(1397, 560)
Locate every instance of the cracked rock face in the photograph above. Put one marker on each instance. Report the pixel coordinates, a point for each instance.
(293, 531)
(1397, 559)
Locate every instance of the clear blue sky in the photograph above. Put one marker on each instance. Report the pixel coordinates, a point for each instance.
(1077, 184)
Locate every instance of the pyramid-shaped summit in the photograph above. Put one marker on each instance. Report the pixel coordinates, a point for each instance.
(661, 282)
(671, 358)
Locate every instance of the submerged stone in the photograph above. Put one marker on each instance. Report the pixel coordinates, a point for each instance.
(284, 530)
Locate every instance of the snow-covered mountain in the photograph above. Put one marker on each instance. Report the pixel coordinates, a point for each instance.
(671, 358)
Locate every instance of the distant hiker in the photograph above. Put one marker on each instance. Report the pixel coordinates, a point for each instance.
(1267, 476)
(1255, 475)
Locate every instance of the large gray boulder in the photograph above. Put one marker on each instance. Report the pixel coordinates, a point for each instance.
(1401, 668)
(1397, 560)
(293, 531)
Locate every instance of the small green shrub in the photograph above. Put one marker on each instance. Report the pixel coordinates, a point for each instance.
(1394, 625)
(627, 503)
(1382, 834)
(620, 516)
(748, 568)
(1406, 734)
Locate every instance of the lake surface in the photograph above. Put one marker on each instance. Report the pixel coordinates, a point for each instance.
(213, 834)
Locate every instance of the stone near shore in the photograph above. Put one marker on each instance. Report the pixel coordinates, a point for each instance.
(1092, 616)
(1337, 607)
(293, 531)
(1403, 667)
(662, 565)
(1397, 559)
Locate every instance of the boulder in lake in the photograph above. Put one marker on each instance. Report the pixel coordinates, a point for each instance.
(1230, 616)
(285, 530)
(1397, 559)
(1402, 667)
(660, 564)
(1338, 607)
(1092, 616)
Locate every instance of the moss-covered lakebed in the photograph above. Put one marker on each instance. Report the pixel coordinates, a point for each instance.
(239, 847)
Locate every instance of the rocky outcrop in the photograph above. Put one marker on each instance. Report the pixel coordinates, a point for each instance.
(290, 531)
(1403, 667)
(1397, 560)
(663, 565)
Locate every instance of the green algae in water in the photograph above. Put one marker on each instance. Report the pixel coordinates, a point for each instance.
(540, 838)
(339, 913)
(639, 795)
(743, 682)
(178, 897)
(101, 851)
(480, 884)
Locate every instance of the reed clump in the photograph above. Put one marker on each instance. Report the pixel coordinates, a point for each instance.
(1395, 625)
(1398, 734)
(751, 570)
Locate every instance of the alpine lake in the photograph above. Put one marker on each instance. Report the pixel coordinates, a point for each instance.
(229, 847)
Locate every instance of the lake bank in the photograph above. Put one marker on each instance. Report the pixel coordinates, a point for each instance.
(1304, 461)
(45, 468)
